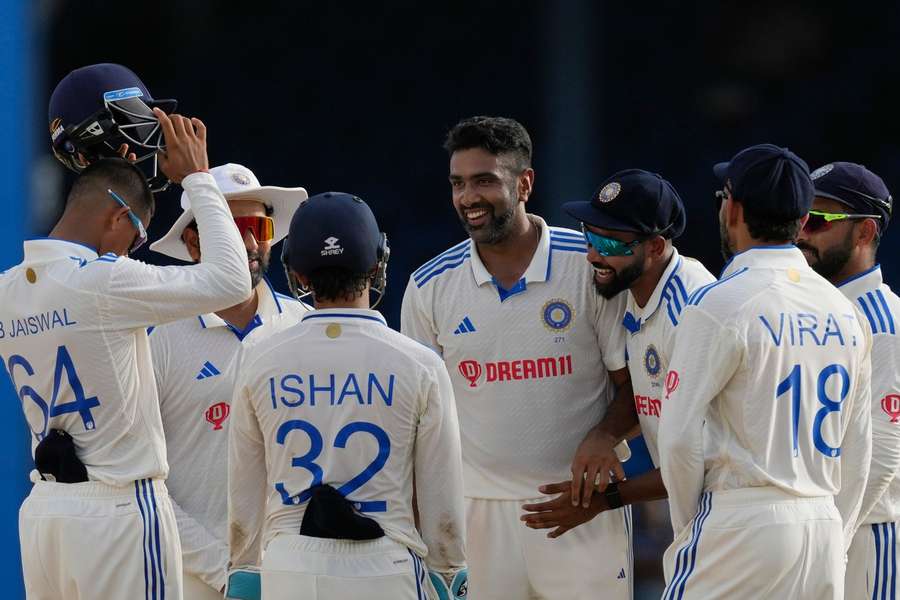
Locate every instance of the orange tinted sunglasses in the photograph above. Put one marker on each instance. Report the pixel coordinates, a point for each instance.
(262, 228)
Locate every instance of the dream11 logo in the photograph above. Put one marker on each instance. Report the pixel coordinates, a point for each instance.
(890, 404)
(217, 413)
(471, 371)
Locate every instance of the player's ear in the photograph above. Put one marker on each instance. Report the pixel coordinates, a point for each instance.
(191, 239)
(525, 184)
(865, 232)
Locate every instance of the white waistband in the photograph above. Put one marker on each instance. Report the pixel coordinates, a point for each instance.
(340, 558)
(763, 495)
(96, 489)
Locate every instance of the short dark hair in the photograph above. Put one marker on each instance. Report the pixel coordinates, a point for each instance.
(766, 229)
(337, 283)
(497, 135)
(118, 175)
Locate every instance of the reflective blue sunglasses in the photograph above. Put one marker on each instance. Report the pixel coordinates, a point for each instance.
(606, 246)
(142, 233)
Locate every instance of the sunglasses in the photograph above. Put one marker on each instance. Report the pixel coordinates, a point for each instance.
(262, 228)
(141, 237)
(822, 221)
(606, 246)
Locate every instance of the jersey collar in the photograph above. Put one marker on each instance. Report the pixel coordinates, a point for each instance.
(643, 314)
(784, 256)
(861, 283)
(268, 305)
(350, 315)
(537, 268)
(47, 249)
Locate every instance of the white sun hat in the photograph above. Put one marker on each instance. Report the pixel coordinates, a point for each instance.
(235, 182)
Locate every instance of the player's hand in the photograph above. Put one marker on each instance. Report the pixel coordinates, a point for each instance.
(185, 151)
(594, 461)
(123, 152)
(559, 513)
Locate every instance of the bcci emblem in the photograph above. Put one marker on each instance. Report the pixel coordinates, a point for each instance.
(609, 192)
(651, 362)
(557, 314)
(240, 178)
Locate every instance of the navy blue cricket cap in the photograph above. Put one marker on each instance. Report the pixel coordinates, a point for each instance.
(80, 94)
(857, 188)
(333, 230)
(770, 181)
(633, 200)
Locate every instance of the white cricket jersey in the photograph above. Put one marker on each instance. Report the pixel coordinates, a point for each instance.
(73, 336)
(650, 339)
(529, 365)
(771, 373)
(195, 362)
(881, 502)
(344, 400)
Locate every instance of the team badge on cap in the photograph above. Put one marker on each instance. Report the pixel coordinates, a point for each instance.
(240, 178)
(609, 192)
(821, 171)
(557, 314)
(651, 362)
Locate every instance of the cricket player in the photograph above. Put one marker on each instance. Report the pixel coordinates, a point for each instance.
(336, 422)
(195, 364)
(533, 354)
(629, 224)
(849, 216)
(98, 522)
(765, 437)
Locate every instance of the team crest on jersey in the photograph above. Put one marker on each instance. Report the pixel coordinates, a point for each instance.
(651, 362)
(557, 314)
(609, 192)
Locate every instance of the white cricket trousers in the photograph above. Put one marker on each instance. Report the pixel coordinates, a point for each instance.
(509, 561)
(297, 567)
(872, 563)
(756, 544)
(92, 541)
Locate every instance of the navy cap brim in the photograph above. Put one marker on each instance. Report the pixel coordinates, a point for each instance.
(721, 171)
(587, 213)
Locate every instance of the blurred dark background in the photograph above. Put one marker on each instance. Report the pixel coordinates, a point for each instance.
(357, 97)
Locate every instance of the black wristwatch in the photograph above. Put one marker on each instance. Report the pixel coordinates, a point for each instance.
(612, 495)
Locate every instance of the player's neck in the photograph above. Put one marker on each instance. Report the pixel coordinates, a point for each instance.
(855, 265)
(241, 314)
(646, 284)
(508, 260)
(75, 232)
(360, 302)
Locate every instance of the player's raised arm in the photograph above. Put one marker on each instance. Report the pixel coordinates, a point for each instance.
(142, 294)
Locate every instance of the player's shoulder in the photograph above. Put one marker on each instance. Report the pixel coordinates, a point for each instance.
(567, 240)
(693, 274)
(881, 308)
(175, 329)
(687, 277)
(290, 306)
(724, 296)
(406, 348)
(447, 261)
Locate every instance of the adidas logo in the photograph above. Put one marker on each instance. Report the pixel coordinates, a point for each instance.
(464, 327)
(208, 370)
(621, 574)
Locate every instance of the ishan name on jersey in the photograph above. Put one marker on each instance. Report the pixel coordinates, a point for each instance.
(292, 390)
